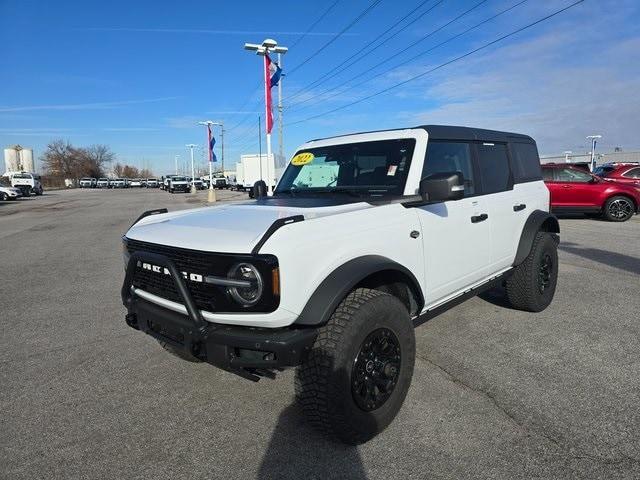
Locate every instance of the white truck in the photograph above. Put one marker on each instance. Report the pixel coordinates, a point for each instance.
(365, 237)
(27, 182)
(255, 167)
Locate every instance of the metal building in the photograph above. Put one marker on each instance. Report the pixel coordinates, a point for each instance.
(600, 158)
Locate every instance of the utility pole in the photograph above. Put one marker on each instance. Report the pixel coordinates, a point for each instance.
(176, 162)
(260, 145)
(280, 127)
(191, 146)
(268, 46)
(594, 141)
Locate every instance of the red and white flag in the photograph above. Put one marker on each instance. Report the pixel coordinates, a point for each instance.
(272, 74)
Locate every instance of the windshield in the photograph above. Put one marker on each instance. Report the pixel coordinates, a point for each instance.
(22, 175)
(367, 168)
(179, 179)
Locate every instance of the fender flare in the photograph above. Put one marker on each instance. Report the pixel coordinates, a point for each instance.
(342, 280)
(538, 220)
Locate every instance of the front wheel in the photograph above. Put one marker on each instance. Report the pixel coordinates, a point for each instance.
(618, 209)
(4, 196)
(359, 370)
(532, 285)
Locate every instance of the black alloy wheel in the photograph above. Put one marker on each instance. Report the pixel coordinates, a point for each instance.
(375, 369)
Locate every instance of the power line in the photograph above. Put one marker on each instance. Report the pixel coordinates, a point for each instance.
(337, 67)
(360, 16)
(313, 25)
(442, 65)
(400, 52)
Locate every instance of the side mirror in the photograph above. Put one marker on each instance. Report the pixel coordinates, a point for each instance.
(259, 189)
(442, 186)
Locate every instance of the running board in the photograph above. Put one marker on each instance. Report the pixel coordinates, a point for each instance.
(472, 292)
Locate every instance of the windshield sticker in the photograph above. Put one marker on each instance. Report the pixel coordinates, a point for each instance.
(302, 159)
(392, 170)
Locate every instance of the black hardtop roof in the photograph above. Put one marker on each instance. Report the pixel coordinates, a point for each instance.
(451, 132)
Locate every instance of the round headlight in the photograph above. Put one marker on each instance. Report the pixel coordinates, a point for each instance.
(249, 295)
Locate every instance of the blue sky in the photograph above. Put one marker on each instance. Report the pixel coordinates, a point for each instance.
(137, 75)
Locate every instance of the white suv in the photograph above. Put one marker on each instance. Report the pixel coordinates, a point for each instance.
(366, 236)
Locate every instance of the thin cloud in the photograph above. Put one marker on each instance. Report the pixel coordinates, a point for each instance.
(130, 129)
(206, 31)
(84, 106)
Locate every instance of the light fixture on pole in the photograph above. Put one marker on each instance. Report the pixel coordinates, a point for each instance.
(268, 46)
(594, 141)
(176, 162)
(191, 146)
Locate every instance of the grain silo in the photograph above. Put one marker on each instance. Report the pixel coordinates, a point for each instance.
(18, 159)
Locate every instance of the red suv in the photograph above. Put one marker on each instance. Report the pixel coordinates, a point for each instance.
(576, 191)
(628, 173)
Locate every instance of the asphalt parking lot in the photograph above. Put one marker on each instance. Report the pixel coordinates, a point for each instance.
(496, 393)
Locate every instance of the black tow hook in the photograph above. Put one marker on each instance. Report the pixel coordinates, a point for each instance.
(132, 320)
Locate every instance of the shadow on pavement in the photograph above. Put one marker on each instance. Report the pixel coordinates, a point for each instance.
(297, 451)
(496, 296)
(613, 259)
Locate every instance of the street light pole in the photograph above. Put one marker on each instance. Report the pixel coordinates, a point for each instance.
(176, 162)
(269, 46)
(594, 139)
(191, 146)
(567, 153)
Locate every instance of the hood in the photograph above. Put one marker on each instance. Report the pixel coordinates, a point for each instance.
(9, 189)
(234, 228)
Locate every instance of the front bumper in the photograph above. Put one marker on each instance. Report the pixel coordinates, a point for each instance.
(246, 351)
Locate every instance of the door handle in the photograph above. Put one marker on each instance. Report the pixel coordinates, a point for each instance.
(479, 218)
(517, 208)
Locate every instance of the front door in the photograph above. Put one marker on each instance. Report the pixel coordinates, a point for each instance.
(455, 234)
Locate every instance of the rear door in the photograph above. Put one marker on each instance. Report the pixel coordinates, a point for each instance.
(455, 233)
(505, 216)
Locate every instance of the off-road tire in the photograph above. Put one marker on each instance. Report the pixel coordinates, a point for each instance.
(625, 205)
(4, 197)
(323, 383)
(525, 290)
(181, 354)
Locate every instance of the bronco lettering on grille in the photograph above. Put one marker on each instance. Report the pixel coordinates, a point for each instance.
(194, 277)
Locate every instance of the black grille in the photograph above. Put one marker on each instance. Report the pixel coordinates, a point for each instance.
(208, 297)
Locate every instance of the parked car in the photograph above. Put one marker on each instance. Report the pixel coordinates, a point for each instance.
(152, 183)
(103, 183)
(7, 192)
(178, 184)
(332, 276)
(628, 173)
(575, 191)
(118, 183)
(27, 182)
(135, 182)
(87, 182)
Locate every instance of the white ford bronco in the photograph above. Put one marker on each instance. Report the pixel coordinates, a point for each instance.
(365, 237)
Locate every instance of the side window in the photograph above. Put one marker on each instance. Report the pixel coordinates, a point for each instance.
(494, 167)
(450, 157)
(547, 174)
(573, 175)
(633, 173)
(525, 162)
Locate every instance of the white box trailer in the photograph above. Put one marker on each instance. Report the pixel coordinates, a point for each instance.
(254, 167)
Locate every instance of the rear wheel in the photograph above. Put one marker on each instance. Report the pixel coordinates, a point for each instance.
(532, 285)
(618, 209)
(4, 196)
(359, 370)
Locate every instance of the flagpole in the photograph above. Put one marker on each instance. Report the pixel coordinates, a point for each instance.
(268, 132)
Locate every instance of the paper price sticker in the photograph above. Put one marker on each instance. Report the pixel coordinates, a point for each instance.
(302, 159)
